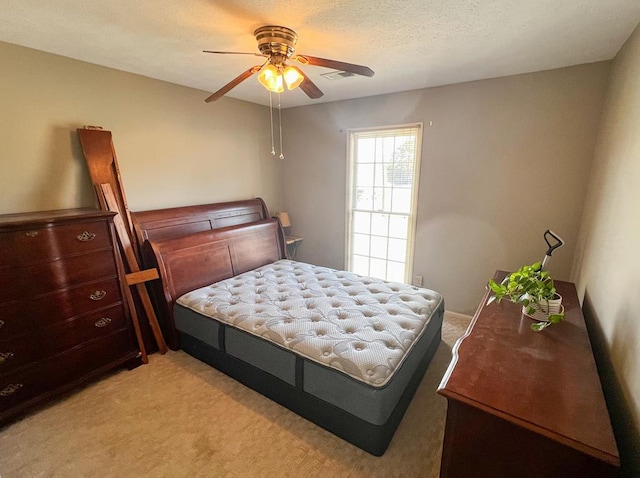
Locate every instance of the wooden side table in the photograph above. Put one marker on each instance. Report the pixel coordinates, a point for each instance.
(293, 242)
(524, 403)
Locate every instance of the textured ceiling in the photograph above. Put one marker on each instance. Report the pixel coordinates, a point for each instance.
(410, 44)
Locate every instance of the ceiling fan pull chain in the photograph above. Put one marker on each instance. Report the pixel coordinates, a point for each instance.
(280, 124)
(273, 148)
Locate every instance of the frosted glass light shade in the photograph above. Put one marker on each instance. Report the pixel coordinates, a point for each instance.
(292, 77)
(271, 79)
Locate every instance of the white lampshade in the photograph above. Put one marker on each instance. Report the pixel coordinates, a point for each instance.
(284, 219)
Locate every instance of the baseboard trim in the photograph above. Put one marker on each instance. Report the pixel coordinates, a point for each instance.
(456, 315)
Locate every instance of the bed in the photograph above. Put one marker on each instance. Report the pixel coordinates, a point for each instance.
(344, 351)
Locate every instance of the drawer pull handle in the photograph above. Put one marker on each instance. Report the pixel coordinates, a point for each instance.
(10, 389)
(103, 322)
(32, 233)
(86, 236)
(98, 295)
(4, 356)
(1, 323)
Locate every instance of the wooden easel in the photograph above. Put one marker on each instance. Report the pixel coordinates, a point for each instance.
(97, 146)
(136, 277)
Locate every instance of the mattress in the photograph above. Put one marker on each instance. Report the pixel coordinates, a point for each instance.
(349, 340)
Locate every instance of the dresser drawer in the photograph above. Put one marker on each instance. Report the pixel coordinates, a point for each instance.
(19, 318)
(52, 242)
(17, 352)
(64, 370)
(48, 341)
(12, 322)
(26, 383)
(95, 355)
(64, 335)
(37, 279)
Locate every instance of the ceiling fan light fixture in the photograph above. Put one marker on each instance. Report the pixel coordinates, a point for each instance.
(271, 79)
(278, 45)
(292, 77)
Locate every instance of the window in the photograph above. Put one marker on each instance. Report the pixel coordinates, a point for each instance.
(382, 195)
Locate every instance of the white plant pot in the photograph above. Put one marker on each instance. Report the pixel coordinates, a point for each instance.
(543, 310)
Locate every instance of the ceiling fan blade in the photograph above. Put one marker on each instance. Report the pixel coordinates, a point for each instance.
(233, 83)
(308, 86)
(232, 53)
(335, 65)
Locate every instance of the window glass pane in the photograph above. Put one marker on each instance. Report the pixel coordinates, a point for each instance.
(360, 265)
(364, 175)
(361, 244)
(389, 147)
(380, 224)
(364, 198)
(379, 148)
(378, 268)
(386, 199)
(378, 199)
(379, 171)
(362, 222)
(400, 173)
(366, 150)
(397, 250)
(401, 200)
(395, 271)
(398, 226)
(378, 247)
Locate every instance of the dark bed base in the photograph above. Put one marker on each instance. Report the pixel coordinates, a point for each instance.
(373, 439)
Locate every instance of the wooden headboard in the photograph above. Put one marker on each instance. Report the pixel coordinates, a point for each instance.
(197, 260)
(162, 224)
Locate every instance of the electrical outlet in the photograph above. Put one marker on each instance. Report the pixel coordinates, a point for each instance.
(417, 281)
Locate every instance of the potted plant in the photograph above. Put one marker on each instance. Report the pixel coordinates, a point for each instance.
(533, 288)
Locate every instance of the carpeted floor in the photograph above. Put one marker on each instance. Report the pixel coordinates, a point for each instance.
(178, 417)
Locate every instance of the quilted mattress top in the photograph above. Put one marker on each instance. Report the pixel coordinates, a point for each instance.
(361, 326)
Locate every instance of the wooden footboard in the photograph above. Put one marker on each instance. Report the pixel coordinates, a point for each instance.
(194, 261)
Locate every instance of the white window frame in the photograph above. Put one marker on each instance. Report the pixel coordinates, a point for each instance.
(413, 215)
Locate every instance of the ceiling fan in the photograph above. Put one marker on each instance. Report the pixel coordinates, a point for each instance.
(277, 45)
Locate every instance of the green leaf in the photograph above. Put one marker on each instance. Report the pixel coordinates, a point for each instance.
(495, 287)
(540, 326)
(556, 318)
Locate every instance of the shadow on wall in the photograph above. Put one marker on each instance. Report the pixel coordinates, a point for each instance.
(85, 193)
(456, 254)
(620, 411)
(64, 180)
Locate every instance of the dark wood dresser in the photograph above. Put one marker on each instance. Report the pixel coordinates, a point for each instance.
(62, 316)
(523, 403)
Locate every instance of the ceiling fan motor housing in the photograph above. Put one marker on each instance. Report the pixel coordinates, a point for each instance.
(275, 40)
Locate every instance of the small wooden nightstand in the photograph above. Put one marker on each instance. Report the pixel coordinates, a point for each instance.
(293, 242)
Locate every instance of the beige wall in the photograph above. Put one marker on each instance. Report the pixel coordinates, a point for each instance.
(504, 160)
(607, 268)
(173, 149)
